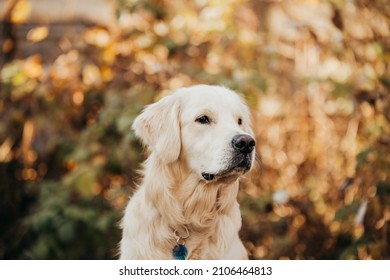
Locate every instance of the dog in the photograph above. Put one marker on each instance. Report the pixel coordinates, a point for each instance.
(200, 142)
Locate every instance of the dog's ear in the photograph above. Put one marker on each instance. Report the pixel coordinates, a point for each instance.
(158, 127)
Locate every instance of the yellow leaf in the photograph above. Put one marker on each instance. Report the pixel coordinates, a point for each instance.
(19, 79)
(107, 74)
(109, 54)
(91, 75)
(33, 67)
(98, 37)
(21, 11)
(38, 34)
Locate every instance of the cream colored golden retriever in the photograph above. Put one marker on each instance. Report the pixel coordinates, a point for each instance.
(186, 208)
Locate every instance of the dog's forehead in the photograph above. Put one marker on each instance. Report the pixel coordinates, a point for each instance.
(211, 98)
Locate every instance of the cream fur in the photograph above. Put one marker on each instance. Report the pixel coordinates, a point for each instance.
(173, 194)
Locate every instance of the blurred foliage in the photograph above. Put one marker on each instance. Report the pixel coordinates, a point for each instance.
(315, 73)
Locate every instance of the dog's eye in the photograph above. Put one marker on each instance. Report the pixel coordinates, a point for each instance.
(239, 121)
(203, 119)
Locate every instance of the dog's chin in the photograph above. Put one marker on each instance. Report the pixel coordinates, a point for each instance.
(231, 173)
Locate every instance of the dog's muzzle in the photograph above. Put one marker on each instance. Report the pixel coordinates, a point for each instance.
(243, 146)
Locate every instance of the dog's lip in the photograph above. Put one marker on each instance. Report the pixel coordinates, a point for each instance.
(241, 166)
(242, 162)
(208, 176)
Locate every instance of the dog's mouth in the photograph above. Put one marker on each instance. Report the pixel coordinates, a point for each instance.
(239, 165)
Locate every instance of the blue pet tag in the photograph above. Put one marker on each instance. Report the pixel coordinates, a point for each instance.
(179, 251)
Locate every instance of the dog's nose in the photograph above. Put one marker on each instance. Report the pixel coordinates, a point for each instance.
(243, 143)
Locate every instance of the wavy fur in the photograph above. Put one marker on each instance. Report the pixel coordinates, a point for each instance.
(173, 195)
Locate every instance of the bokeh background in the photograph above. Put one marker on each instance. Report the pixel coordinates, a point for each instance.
(316, 74)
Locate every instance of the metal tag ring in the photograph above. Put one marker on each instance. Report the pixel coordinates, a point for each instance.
(180, 241)
(180, 237)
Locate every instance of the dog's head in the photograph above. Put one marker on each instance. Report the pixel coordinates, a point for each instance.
(206, 127)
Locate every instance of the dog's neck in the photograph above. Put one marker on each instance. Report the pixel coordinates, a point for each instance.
(189, 201)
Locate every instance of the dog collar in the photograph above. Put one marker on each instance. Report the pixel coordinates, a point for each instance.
(179, 251)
